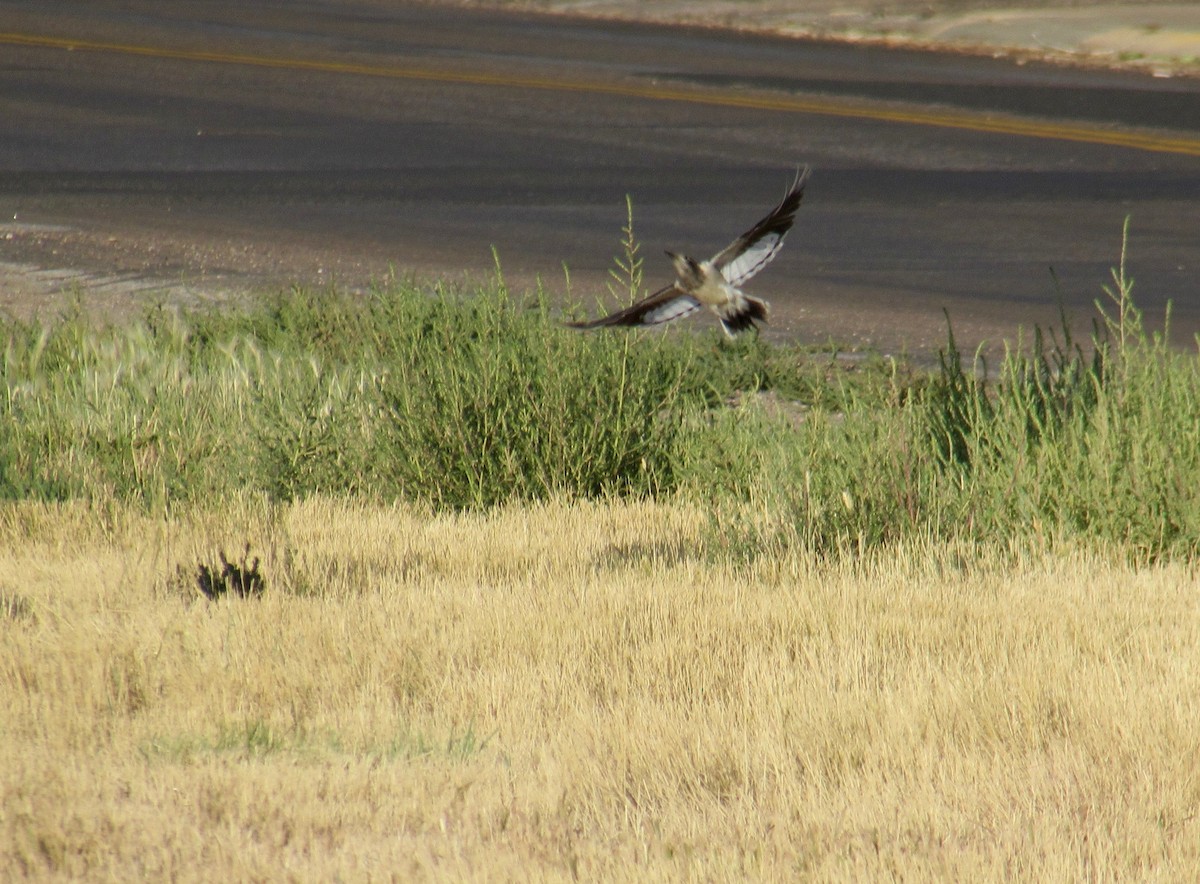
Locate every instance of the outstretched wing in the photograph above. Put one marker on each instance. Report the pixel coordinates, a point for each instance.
(754, 249)
(664, 305)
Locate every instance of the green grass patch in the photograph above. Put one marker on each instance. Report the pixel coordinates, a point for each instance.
(256, 738)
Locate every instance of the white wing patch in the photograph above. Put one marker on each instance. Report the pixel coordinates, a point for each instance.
(754, 259)
(671, 309)
(697, 283)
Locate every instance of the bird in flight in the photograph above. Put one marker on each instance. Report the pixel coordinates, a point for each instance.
(714, 283)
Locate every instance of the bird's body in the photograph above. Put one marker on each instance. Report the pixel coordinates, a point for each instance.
(714, 283)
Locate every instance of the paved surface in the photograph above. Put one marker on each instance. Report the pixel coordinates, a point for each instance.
(189, 150)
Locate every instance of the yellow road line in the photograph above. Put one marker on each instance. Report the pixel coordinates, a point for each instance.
(975, 122)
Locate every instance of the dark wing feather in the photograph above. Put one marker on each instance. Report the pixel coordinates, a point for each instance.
(664, 305)
(754, 249)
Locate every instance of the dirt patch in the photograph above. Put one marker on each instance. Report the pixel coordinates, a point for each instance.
(1163, 38)
(47, 269)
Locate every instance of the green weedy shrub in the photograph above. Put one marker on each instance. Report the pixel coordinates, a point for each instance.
(309, 427)
(835, 478)
(486, 400)
(1104, 447)
(105, 413)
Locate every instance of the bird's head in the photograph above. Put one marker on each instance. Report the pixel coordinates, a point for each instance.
(687, 270)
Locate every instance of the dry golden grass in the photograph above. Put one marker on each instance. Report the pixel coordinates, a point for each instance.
(560, 691)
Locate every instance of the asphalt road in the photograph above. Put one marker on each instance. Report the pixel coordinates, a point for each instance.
(233, 143)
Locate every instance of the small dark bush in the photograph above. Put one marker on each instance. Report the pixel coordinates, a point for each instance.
(241, 579)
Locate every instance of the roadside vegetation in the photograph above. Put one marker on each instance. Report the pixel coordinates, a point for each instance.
(417, 583)
(464, 401)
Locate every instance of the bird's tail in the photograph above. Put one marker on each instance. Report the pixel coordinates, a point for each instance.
(742, 312)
